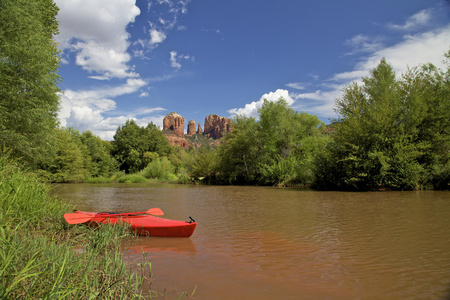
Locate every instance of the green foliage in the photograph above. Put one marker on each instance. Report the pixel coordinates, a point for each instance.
(278, 149)
(198, 140)
(160, 168)
(240, 153)
(42, 258)
(99, 179)
(148, 157)
(72, 162)
(202, 162)
(28, 72)
(178, 157)
(102, 163)
(132, 142)
(131, 178)
(391, 133)
(78, 157)
(183, 176)
(279, 170)
(24, 196)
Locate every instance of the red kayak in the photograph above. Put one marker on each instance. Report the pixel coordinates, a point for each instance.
(146, 225)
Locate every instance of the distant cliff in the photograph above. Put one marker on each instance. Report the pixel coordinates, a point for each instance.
(174, 122)
(215, 127)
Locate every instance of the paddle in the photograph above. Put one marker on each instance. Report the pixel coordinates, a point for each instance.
(80, 217)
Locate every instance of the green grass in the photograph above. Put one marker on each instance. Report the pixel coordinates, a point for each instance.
(131, 178)
(42, 257)
(99, 179)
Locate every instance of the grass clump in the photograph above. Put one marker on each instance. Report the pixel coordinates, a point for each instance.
(99, 179)
(131, 178)
(42, 257)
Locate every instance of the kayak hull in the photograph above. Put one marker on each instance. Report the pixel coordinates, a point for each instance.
(146, 225)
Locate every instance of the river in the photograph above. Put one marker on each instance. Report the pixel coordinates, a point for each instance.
(274, 243)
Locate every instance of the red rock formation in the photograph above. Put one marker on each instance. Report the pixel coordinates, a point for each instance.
(175, 140)
(199, 130)
(175, 123)
(216, 126)
(191, 127)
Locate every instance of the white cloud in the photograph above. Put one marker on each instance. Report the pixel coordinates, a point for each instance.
(99, 77)
(419, 19)
(411, 51)
(156, 37)
(251, 109)
(363, 43)
(296, 85)
(159, 28)
(173, 60)
(146, 111)
(85, 109)
(319, 102)
(96, 32)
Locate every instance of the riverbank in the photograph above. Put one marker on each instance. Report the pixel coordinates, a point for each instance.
(42, 257)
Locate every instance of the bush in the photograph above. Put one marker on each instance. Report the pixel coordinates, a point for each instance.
(116, 177)
(99, 179)
(132, 178)
(160, 168)
(183, 176)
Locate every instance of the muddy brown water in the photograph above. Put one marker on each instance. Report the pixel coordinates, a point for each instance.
(271, 243)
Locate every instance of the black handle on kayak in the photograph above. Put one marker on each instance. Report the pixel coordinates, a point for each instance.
(192, 220)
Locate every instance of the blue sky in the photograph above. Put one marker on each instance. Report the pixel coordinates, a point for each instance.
(127, 59)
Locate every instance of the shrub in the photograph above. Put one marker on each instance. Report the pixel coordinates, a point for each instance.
(132, 178)
(99, 179)
(160, 168)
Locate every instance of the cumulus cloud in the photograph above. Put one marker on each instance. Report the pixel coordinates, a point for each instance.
(319, 102)
(156, 37)
(93, 35)
(96, 32)
(85, 109)
(251, 109)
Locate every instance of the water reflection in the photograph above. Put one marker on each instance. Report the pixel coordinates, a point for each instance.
(160, 246)
(268, 243)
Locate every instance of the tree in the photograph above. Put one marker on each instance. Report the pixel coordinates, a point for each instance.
(274, 150)
(131, 142)
(102, 163)
(203, 162)
(157, 141)
(28, 78)
(289, 142)
(391, 133)
(240, 152)
(71, 162)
